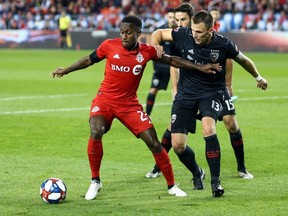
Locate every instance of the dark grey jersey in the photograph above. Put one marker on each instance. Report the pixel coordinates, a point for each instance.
(195, 84)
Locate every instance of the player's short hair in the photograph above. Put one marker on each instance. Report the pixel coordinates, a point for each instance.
(185, 8)
(205, 17)
(133, 19)
(170, 10)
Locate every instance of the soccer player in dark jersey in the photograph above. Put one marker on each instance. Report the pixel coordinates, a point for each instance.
(183, 14)
(228, 112)
(161, 74)
(183, 17)
(126, 59)
(202, 92)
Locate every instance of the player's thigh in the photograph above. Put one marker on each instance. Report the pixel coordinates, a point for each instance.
(101, 116)
(134, 118)
(211, 107)
(183, 117)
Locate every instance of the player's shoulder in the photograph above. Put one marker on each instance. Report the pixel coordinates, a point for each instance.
(146, 46)
(221, 38)
(181, 32)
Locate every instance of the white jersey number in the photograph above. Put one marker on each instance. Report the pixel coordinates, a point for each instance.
(144, 116)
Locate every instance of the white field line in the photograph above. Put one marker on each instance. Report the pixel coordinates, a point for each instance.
(87, 108)
(41, 97)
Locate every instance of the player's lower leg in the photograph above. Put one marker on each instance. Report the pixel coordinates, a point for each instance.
(163, 162)
(150, 103)
(187, 157)
(95, 154)
(166, 144)
(238, 147)
(213, 156)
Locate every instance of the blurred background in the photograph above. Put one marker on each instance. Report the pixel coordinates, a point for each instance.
(35, 23)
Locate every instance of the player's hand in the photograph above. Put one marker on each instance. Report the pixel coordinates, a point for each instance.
(59, 72)
(160, 50)
(211, 68)
(262, 84)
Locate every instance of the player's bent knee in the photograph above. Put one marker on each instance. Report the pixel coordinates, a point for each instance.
(96, 134)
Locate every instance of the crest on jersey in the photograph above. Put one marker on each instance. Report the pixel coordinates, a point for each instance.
(137, 69)
(214, 55)
(95, 109)
(173, 118)
(139, 57)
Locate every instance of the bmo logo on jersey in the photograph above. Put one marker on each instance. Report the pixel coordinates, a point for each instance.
(120, 68)
(137, 69)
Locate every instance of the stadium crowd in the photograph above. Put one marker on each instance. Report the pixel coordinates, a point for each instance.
(240, 15)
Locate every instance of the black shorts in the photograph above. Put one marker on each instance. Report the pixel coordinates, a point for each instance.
(63, 33)
(160, 78)
(183, 116)
(228, 106)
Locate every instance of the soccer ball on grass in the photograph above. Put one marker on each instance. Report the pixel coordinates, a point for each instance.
(53, 191)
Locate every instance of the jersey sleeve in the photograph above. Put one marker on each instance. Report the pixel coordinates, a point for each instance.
(153, 53)
(232, 50)
(102, 50)
(179, 33)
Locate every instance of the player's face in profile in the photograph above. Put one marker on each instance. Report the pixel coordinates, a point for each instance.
(129, 35)
(182, 19)
(201, 34)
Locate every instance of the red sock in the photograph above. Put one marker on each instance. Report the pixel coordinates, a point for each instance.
(163, 162)
(95, 154)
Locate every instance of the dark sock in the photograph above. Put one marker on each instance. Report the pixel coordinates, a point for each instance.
(166, 140)
(213, 155)
(238, 147)
(150, 103)
(187, 157)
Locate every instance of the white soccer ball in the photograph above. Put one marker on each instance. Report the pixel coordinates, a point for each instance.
(53, 191)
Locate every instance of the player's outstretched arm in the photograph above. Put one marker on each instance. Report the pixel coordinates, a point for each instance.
(80, 64)
(178, 62)
(161, 35)
(250, 67)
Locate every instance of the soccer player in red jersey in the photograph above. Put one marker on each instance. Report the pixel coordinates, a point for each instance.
(126, 59)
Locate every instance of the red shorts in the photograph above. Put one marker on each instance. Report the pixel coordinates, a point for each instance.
(130, 114)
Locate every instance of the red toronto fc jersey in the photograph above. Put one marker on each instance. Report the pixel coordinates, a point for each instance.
(124, 68)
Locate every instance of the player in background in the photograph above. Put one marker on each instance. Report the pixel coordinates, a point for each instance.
(183, 14)
(126, 59)
(203, 93)
(161, 74)
(229, 113)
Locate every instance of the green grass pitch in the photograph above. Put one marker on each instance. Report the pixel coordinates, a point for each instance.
(44, 133)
